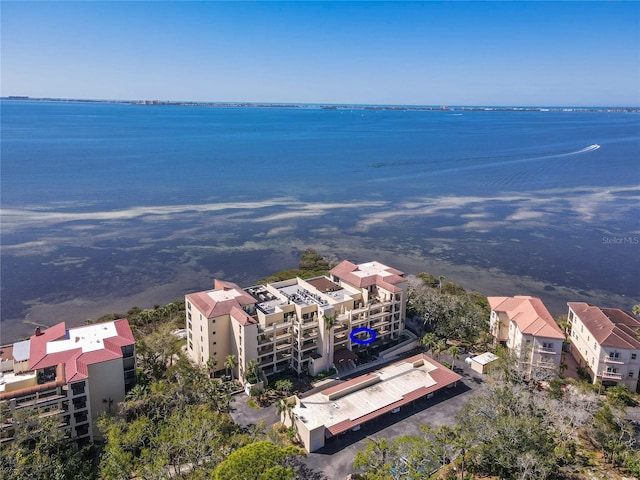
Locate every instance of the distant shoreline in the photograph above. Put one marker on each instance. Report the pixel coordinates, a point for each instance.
(429, 108)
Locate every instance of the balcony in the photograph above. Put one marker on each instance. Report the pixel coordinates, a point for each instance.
(283, 346)
(310, 334)
(549, 365)
(549, 351)
(614, 375)
(614, 360)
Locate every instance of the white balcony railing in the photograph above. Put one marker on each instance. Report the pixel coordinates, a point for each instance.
(615, 360)
(611, 375)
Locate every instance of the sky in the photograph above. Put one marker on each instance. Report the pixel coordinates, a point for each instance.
(402, 53)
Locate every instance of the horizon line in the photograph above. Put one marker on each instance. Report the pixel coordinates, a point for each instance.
(313, 104)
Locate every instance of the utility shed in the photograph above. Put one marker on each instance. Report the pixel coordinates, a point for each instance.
(481, 363)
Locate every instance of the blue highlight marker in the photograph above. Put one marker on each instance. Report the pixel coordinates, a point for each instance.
(372, 335)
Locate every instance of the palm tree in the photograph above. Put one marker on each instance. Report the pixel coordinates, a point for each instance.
(231, 363)
(329, 322)
(428, 341)
(439, 347)
(455, 354)
(285, 407)
(212, 363)
(252, 369)
(636, 310)
(440, 280)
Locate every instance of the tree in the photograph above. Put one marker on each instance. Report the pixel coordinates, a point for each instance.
(252, 371)
(42, 450)
(257, 461)
(455, 354)
(374, 460)
(231, 363)
(284, 385)
(329, 323)
(509, 433)
(428, 341)
(636, 310)
(313, 261)
(284, 407)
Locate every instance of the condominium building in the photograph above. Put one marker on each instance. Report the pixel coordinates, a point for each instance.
(605, 342)
(524, 325)
(74, 374)
(296, 323)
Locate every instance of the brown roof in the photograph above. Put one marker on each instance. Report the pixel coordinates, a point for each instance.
(611, 327)
(323, 284)
(529, 314)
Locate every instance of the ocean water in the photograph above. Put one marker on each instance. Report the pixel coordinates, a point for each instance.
(107, 200)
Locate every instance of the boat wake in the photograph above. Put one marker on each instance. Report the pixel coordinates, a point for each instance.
(484, 165)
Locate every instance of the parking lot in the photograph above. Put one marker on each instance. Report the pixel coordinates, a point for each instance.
(336, 459)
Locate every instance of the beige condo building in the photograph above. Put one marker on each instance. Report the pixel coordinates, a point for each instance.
(524, 325)
(73, 374)
(605, 342)
(302, 324)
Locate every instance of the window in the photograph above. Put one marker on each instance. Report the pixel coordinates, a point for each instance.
(213, 321)
(189, 305)
(215, 343)
(189, 315)
(547, 345)
(633, 356)
(594, 345)
(213, 333)
(190, 326)
(581, 328)
(200, 327)
(588, 338)
(630, 373)
(190, 346)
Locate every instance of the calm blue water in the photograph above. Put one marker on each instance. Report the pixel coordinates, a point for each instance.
(94, 190)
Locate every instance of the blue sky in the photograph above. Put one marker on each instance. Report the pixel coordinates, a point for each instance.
(428, 53)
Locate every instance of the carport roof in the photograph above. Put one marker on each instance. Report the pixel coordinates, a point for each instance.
(364, 398)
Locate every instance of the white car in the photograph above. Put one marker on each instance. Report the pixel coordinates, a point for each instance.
(468, 360)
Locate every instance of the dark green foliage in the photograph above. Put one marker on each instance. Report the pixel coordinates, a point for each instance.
(41, 451)
(257, 461)
(312, 264)
(620, 395)
(311, 260)
(428, 279)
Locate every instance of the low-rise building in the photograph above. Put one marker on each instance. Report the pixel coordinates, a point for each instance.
(605, 342)
(74, 374)
(349, 405)
(297, 323)
(524, 325)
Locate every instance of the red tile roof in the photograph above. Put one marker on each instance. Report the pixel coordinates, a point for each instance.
(212, 308)
(611, 327)
(75, 361)
(529, 314)
(242, 317)
(344, 270)
(442, 376)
